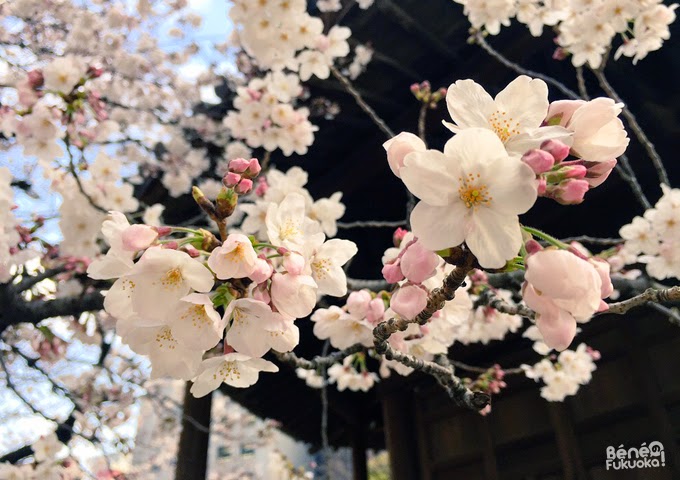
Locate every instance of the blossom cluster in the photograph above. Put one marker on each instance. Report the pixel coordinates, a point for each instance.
(654, 238)
(585, 29)
(264, 115)
(348, 376)
(282, 35)
(273, 187)
(165, 305)
(500, 146)
(50, 462)
(565, 373)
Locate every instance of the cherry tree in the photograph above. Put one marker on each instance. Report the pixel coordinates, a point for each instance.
(92, 107)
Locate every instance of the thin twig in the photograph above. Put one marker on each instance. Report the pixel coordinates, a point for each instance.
(651, 295)
(320, 361)
(361, 102)
(634, 125)
(673, 315)
(625, 171)
(479, 38)
(581, 84)
(74, 173)
(435, 302)
(372, 224)
(474, 369)
(361, 283)
(422, 118)
(593, 240)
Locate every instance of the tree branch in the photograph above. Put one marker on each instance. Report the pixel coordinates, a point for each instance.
(634, 125)
(481, 41)
(361, 103)
(650, 295)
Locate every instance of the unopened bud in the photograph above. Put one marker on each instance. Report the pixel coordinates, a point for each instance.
(35, 79)
(540, 161)
(231, 179)
(254, 168)
(244, 186)
(238, 165)
(203, 202)
(163, 231)
(568, 192)
(226, 203)
(532, 246)
(559, 150)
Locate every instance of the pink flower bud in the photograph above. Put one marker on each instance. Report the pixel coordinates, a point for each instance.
(569, 192)
(418, 263)
(532, 246)
(238, 165)
(191, 250)
(171, 245)
(409, 301)
(254, 168)
(565, 171)
(559, 54)
(231, 179)
(163, 231)
(358, 303)
(294, 263)
(415, 88)
(94, 71)
(539, 160)
(262, 272)
(594, 354)
(376, 311)
(244, 186)
(262, 187)
(398, 236)
(542, 185)
(138, 237)
(598, 172)
(559, 150)
(36, 79)
(398, 147)
(392, 273)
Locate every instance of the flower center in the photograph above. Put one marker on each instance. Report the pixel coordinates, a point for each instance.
(473, 192)
(289, 230)
(172, 278)
(504, 126)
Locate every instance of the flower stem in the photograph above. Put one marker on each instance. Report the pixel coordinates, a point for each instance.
(544, 236)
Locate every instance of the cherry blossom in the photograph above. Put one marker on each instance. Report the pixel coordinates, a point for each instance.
(515, 115)
(235, 369)
(492, 190)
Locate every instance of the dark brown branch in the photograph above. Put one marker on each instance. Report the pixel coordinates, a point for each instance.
(633, 124)
(320, 360)
(444, 375)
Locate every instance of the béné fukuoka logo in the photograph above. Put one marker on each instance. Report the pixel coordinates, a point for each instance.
(621, 458)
